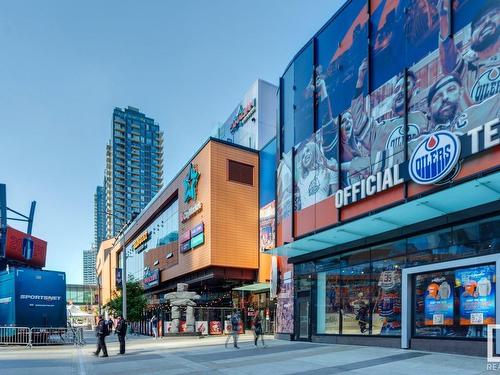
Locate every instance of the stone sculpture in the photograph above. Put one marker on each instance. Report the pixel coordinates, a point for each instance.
(182, 298)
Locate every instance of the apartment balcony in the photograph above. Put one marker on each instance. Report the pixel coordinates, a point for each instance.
(119, 195)
(119, 134)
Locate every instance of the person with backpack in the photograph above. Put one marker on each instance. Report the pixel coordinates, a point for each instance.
(109, 322)
(121, 331)
(102, 331)
(257, 323)
(154, 326)
(235, 328)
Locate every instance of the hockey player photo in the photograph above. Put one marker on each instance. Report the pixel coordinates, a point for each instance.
(315, 178)
(477, 64)
(388, 132)
(448, 109)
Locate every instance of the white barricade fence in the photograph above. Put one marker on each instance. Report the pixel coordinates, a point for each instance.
(41, 336)
(56, 336)
(15, 336)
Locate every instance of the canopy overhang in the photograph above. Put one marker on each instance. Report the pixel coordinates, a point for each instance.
(470, 194)
(255, 288)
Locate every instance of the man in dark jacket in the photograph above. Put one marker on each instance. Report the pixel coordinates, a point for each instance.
(102, 331)
(121, 331)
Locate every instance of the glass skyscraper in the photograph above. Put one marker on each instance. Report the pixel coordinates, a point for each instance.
(134, 166)
(89, 273)
(99, 215)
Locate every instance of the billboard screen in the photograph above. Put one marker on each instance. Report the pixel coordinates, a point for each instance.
(25, 249)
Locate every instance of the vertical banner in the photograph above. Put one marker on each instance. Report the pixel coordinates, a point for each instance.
(118, 277)
(438, 304)
(477, 295)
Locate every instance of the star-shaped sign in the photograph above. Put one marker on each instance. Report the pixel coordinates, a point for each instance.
(190, 183)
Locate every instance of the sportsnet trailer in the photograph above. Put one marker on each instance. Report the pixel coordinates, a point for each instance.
(388, 178)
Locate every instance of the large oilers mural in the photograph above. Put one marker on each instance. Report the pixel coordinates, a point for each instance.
(431, 65)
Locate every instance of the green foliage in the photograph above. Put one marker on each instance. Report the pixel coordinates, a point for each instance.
(136, 302)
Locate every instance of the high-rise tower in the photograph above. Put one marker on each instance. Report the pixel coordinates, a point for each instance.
(134, 166)
(99, 215)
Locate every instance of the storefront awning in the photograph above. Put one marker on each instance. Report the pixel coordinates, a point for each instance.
(257, 287)
(467, 195)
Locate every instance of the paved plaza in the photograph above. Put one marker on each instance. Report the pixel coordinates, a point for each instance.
(208, 356)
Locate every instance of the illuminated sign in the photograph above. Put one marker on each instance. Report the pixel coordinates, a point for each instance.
(191, 211)
(151, 278)
(197, 230)
(197, 240)
(191, 183)
(434, 158)
(243, 115)
(185, 247)
(141, 240)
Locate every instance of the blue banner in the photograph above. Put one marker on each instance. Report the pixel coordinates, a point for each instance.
(439, 302)
(477, 295)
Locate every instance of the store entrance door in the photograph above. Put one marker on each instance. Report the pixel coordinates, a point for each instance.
(303, 317)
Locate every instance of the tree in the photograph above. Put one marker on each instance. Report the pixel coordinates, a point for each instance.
(136, 302)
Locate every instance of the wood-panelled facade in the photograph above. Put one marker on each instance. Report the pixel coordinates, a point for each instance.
(230, 254)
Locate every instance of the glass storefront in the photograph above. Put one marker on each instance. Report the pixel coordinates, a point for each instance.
(455, 303)
(359, 292)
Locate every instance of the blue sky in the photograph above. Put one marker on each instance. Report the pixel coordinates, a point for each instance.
(66, 65)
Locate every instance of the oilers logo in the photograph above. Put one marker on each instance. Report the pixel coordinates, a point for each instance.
(397, 136)
(487, 85)
(434, 158)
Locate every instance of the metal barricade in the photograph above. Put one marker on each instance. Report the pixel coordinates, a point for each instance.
(56, 336)
(15, 336)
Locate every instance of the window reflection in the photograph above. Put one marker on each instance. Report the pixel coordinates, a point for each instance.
(359, 292)
(163, 230)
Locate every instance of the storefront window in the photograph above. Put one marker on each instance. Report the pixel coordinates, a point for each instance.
(455, 303)
(388, 250)
(360, 292)
(356, 293)
(386, 278)
(328, 297)
(479, 237)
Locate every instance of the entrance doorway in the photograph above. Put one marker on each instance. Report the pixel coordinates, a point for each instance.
(303, 318)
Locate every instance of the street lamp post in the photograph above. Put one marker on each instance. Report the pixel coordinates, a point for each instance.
(124, 281)
(121, 237)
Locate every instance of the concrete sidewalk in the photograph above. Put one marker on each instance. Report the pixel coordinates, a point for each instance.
(208, 356)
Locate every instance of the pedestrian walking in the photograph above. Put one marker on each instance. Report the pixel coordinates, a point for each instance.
(257, 323)
(154, 326)
(235, 328)
(121, 331)
(102, 331)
